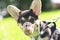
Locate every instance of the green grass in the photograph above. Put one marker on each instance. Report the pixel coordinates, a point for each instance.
(9, 29)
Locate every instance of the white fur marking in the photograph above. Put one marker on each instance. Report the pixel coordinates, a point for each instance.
(41, 32)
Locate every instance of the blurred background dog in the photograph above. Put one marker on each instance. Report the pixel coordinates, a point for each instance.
(49, 29)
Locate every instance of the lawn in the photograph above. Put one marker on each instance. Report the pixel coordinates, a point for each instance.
(9, 29)
(50, 15)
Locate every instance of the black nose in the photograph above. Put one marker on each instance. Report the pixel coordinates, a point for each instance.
(27, 25)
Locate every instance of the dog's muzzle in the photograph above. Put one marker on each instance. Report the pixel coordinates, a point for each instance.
(28, 28)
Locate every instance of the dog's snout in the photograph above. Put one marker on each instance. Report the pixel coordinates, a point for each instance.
(27, 25)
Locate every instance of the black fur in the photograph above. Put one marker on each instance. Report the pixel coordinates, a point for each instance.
(55, 34)
(53, 28)
(26, 15)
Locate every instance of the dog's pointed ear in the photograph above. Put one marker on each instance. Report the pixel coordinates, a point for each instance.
(13, 11)
(36, 6)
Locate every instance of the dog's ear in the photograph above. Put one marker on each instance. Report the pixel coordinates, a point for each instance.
(36, 6)
(13, 11)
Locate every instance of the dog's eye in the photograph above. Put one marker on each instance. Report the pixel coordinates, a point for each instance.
(23, 18)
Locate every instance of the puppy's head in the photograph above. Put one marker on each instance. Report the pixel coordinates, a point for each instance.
(43, 29)
(47, 28)
(26, 18)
